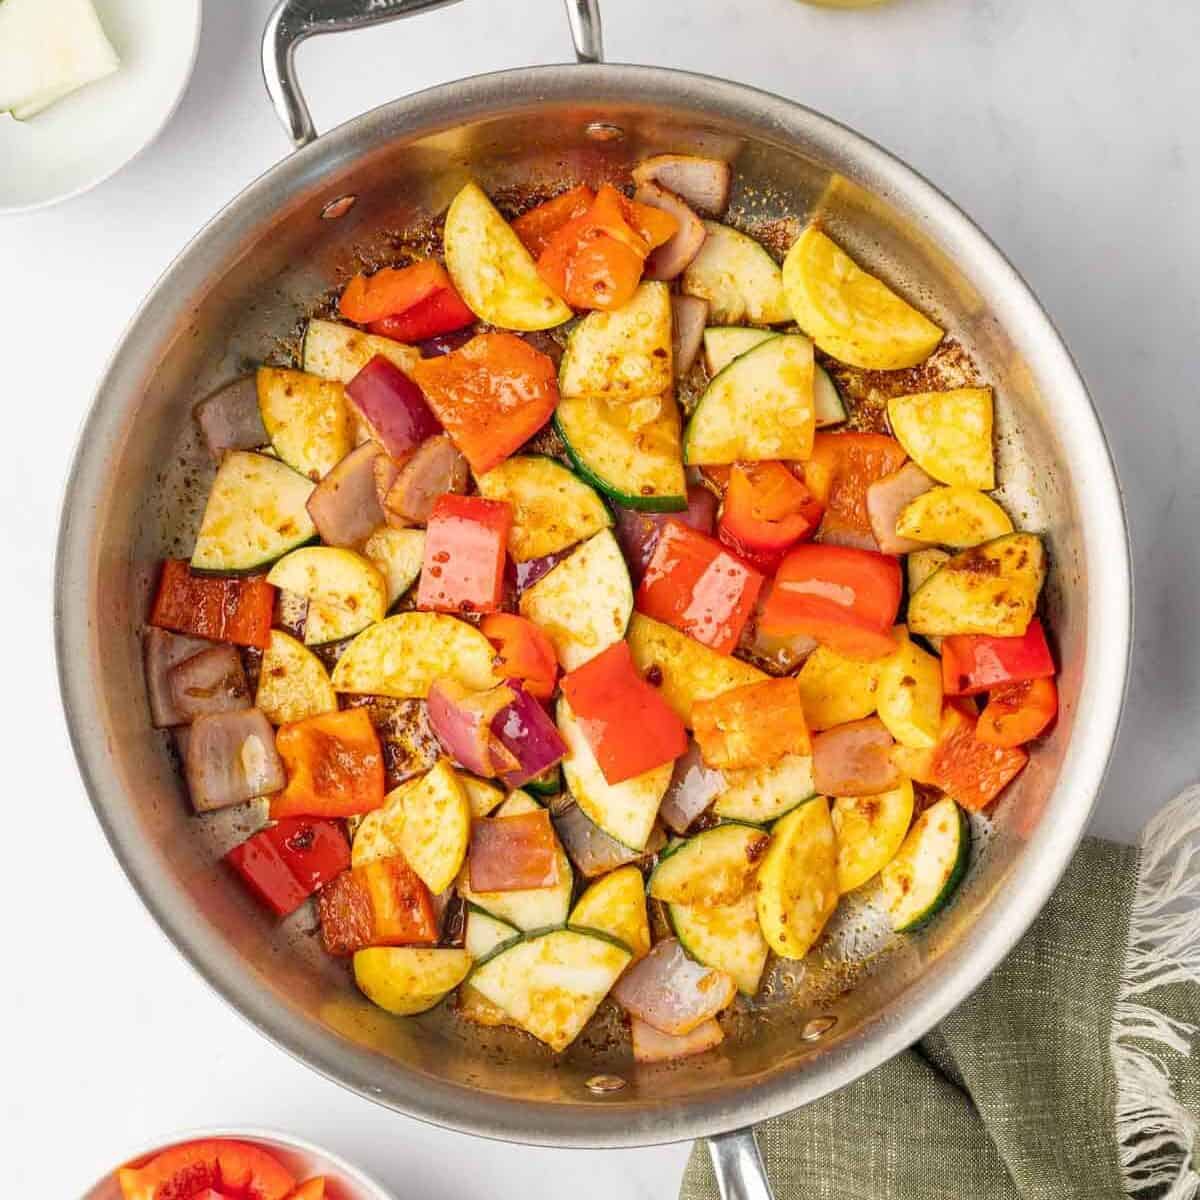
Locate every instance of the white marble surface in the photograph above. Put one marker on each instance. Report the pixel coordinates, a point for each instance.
(1067, 129)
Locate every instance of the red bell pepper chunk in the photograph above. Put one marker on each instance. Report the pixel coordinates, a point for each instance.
(393, 407)
(767, 510)
(752, 725)
(334, 765)
(466, 542)
(417, 302)
(222, 1164)
(536, 227)
(523, 652)
(845, 598)
(491, 395)
(839, 471)
(974, 663)
(285, 863)
(207, 606)
(628, 725)
(967, 768)
(697, 586)
(1016, 713)
(510, 854)
(382, 903)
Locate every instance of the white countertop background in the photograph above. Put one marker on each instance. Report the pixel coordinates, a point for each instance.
(1066, 128)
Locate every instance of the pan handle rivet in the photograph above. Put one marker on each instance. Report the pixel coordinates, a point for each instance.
(818, 1027)
(338, 208)
(604, 131)
(603, 1084)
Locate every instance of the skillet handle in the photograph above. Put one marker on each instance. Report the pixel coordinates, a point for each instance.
(739, 1166)
(294, 21)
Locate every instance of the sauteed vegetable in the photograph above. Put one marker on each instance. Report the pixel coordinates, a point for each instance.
(595, 604)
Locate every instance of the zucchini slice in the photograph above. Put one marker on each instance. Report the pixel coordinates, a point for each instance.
(827, 398)
(869, 831)
(616, 905)
(758, 408)
(436, 827)
(726, 937)
(690, 670)
(548, 783)
(959, 517)
(910, 694)
(724, 343)
(628, 449)
(850, 314)
(292, 682)
(623, 354)
(930, 865)
(948, 434)
(402, 655)
(738, 278)
(584, 603)
(714, 867)
(307, 419)
(531, 908)
(835, 689)
(406, 980)
(345, 591)
(626, 810)
(338, 352)
(763, 794)
(486, 934)
(256, 513)
(551, 508)
(492, 270)
(551, 983)
(398, 554)
(797, 881)
(989, 589)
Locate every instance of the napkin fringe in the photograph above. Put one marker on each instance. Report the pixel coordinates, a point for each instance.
(1155, 1131)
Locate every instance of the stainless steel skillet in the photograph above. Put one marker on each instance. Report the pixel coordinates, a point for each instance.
(245, 282)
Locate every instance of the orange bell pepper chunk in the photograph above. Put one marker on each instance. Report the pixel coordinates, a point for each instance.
(839, 471)
(536, 227)
(523, 652)
(491, 395)
(382, 903)
(967, 768)
(751, 726)
(368, 298)
(766, 511)
(334, 764)
(225, 610)
(221, 1164)
(1016, 713)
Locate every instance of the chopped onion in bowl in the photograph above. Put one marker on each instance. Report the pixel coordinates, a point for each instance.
(231, 758)
(163, 651)
(669, 260)
(345, 505)
(525, 730)
(854, 759)
(213, 681)
(462, 722)
(703, 182)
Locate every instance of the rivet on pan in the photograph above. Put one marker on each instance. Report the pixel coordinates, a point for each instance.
(338, 208)
(818, 1027)
(603, 131)
(603, 1084)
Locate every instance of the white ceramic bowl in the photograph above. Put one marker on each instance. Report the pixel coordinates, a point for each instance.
(88, 136)
(302, 1158)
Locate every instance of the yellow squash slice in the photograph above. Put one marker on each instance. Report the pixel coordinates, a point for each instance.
(616, 905)
(406, 980)
(835, 689)
(953, 516)
(292, 682)
(909, 699)
(869, 832)
(307, 419)
(948, 434)
(436, 826)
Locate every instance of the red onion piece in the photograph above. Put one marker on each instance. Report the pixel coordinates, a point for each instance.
(637, 532)
(703, 182)
(392, 406)
(689, 315)
(669, 260)
(672, 992)
(462, 722)
(163, 651)
(231, 758)
(650, 1046)
(854, 759)
(693, 788)
(887, 497)
(230, 418)
(445, 343)
(593, 851)
(435, 469)
(526, 731)
(213, 681)
(512, 854)
(345, 505)
(532, 569)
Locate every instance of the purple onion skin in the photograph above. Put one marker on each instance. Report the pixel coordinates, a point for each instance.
(525, 730)
(637, 532)
(445, 343)
(393, 407)
(693, 788)
(530, 571)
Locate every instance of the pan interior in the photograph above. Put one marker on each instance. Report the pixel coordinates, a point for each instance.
(238, 298)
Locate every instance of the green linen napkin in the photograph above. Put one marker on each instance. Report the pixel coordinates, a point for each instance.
(1069, 1073)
